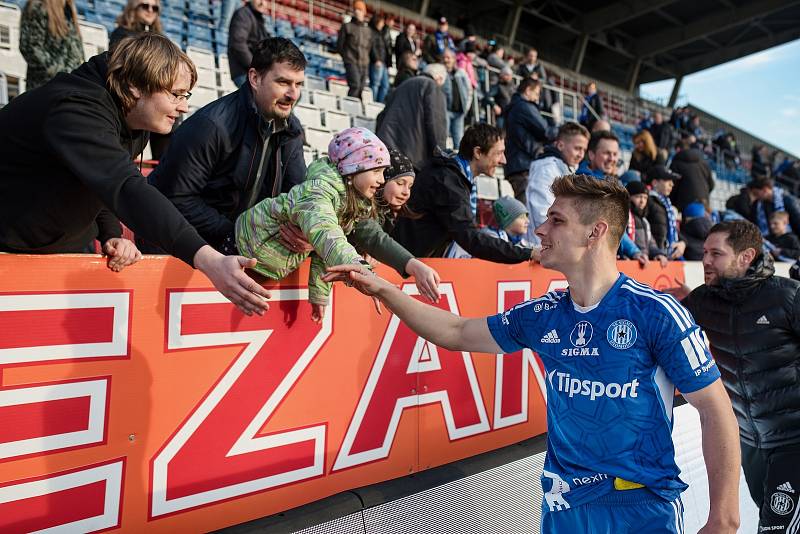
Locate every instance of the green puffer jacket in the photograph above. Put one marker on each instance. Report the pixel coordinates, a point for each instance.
(46, 54)
(315, 206)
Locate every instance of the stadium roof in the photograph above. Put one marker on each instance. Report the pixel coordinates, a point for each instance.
(630, 42)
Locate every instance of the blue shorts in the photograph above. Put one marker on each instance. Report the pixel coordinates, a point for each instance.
(633, 511)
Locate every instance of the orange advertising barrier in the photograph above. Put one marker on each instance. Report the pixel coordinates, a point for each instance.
(144, 401)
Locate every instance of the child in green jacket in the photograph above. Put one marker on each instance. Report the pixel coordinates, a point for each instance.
(338, 193)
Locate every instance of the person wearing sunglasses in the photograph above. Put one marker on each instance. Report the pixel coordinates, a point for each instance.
(137, 17)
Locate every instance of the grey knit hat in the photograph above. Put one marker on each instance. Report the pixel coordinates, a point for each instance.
(507, 209)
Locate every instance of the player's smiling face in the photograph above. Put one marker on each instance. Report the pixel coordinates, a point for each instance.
(564, 238)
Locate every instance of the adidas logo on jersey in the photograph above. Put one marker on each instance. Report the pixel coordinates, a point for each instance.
(762, 320)
(551, 337)
(786, 486)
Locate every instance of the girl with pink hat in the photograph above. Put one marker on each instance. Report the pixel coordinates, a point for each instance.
(338, 193)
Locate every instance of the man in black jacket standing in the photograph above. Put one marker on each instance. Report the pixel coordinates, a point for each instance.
(66, 153)
(752, 319)
(696, 181)
(240, 149)
(445, 198)
(246, 31)
(526, 134)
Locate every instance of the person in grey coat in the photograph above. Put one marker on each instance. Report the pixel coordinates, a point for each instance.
(414, 120)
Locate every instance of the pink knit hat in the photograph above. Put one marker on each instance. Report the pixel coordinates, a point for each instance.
(357, 150)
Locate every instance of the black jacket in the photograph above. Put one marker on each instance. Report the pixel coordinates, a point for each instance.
(414, 120)
(643, 236)
(694, 232)
(696, 182)
(403, 44)
(246, 31)
(659, 222)
(66, 153)
(662, 134)
(788, 243)
(526, 133)
(741, 204)
(209, 171)
(441, 195)
(381, 49)
(753, 324)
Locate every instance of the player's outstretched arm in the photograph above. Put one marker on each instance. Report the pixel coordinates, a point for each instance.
(722, 456)
(441, 327)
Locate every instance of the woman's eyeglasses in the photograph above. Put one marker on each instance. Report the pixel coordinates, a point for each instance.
(155, 8)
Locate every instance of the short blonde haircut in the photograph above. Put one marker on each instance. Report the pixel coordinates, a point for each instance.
(148, 62)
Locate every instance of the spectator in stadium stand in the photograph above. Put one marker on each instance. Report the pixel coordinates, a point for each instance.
(526, 135)
(500, 95)
(558, 159)
(50, 194)
(354, 44)
(247, 30)
(751, 319)
(680, 119)
(744, 202)
(49, 40)
(592, 109)
(458, 93)
(661, 214)
(406, 42)
(696, 181)
(414, 120)
(696, 129)
(639, 227)
(380, 57)
(695, 226)
(138, 16)
(496, 58)
(601, 126)
(464, 61)
(407, 67)
(645, 153)
(437, 42)
(786, 244)
(240, 149)
(758, 162)
(531, 65)
(601, 163)
(769, 199)
(623, 337)
(662, 132)
(445, 197)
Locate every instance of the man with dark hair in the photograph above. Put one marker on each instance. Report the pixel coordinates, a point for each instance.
(240, 149)
(752, 319)
(66, 155)
(592, 109)
(696, 181)
(613, 351)
(405, 42)
(661, 214)
(354, 44)
(445, 197)
(246, 31)
(532, 67)
(526, 134)
(661, 131)
(414, 120)
(769, 199)
(558, 159)
(603, 155)
(437, 42)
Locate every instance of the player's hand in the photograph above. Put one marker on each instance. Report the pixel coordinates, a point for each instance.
(728, 525)
(662, 260)
(678, 249)
(680, 292)
(427, 279)
(228, 276)
(641, 257)
(317, 312)
(292, 237)
(357, 276)
(121, 252)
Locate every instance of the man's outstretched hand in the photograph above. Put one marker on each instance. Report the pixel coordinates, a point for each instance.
(228, 276)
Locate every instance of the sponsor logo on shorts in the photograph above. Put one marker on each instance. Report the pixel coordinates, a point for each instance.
(621, 334)
(786, 486)
(781, 503)
(773, 527)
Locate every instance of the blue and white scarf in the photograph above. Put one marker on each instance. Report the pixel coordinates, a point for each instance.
(777, 205)
(672, 223)
(473, 192)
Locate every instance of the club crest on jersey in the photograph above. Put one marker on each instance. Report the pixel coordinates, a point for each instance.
(580, 337)
(621, 334)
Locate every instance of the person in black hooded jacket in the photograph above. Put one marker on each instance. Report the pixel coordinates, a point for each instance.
(696, 181)
(752, 320)
(67, 149)
(441, 198)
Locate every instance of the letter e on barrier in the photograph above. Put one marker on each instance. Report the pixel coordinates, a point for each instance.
(222, 433)
(409, 372)
(44, 418)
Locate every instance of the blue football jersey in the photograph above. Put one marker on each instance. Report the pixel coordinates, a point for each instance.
(611, 374)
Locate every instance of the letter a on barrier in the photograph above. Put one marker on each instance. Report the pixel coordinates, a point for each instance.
(219, 452)
(410, 372)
